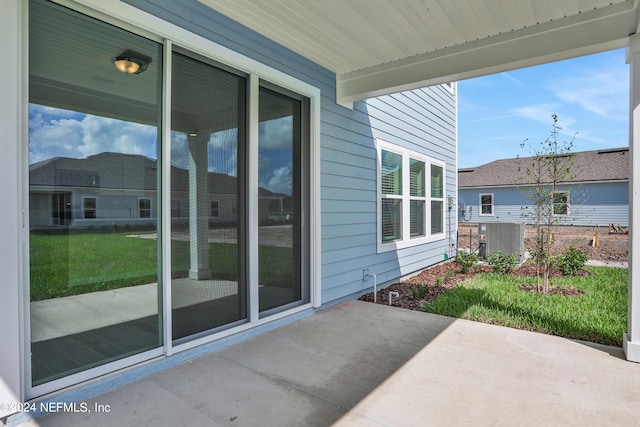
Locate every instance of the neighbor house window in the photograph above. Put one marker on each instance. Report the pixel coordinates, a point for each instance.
(411, 198)
(89, 207)
(176, 208)
(215, 209)
(561, 203)
(486, 204)
(144, 208)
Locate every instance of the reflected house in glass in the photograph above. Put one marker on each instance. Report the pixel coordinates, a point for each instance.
(103, 190)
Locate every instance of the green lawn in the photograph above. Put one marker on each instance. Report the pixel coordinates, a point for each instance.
(84, 261)
(599, 314)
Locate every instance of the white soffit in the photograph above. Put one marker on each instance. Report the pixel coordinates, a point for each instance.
(377, 47)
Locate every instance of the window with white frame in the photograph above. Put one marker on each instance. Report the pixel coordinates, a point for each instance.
(561, 203)
(89, 207)
(486, 204)
(144, 208)
(437, 199)
(410, 197)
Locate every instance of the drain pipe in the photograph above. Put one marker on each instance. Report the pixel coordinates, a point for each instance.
(393, 294)
(365, 276)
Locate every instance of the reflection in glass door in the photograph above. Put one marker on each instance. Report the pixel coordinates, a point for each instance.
(92, 155)
(283, 174)
(208, 289)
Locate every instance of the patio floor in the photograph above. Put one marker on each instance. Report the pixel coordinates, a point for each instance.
(365, 364)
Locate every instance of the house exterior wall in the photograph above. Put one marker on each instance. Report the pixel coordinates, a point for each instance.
(422, 120)
(591, 204)
(349, 236)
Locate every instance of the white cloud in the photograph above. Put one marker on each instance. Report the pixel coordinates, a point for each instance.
(276, 134)
(537, 112)
(279, 181)
(62, 133)
(602, 92)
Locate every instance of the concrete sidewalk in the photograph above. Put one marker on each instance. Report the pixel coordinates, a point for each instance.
(365, 364)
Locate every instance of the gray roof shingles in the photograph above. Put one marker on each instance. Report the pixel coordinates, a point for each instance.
(588, 166)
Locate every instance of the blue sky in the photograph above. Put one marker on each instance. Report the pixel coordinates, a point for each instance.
(589, 94)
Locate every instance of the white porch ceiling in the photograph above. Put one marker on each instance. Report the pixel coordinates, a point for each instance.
(377, 47)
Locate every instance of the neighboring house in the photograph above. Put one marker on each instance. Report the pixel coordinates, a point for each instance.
(597, 194)
(116, 190)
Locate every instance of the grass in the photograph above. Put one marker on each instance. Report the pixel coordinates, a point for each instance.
(598, 315)
(77, 262)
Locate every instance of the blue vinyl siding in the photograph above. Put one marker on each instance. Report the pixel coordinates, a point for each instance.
(591, 204)
(422, 120)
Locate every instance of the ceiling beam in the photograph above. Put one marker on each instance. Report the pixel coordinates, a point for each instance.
(590, 32)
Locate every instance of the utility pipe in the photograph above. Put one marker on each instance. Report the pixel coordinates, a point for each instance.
(375, 291)
(393, 294)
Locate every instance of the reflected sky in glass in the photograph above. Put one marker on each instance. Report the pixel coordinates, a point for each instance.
(84, 135)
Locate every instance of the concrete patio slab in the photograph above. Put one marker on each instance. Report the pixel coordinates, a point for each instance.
(366, 364)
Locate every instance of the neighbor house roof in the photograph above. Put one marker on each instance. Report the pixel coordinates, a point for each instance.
(587, 166)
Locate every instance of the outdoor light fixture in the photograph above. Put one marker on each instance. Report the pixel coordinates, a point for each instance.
(130, 62)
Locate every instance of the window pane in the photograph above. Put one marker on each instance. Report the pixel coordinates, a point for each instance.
(486, 204)
(89, 207)
(145, 208)
(176, 208)
(561, 204)
(92, 135)
(437, 180)
(436, 217)
(391, 173)
(417, 215)
(391, 220)
(208, 290)
(283, 165)
(417, 178)
(215, 209)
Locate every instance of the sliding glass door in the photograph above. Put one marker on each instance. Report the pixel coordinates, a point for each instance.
(283, 194)
(93, 199)
(208, 288)
(207, 214)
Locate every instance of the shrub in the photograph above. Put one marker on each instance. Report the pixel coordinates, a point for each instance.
(502, 263)
(570, 260)
(419, 291)
(466, 260)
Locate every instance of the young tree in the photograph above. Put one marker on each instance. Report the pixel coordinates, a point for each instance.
(550, 165)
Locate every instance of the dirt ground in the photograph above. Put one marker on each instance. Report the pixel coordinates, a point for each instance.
(414, 293)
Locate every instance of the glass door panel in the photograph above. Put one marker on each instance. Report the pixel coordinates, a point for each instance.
(93, 144)
(282, 177)
(208, 289)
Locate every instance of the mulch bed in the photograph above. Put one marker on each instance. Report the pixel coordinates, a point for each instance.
(439, 279)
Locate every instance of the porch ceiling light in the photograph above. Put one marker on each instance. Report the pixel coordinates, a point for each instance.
(130, 62)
